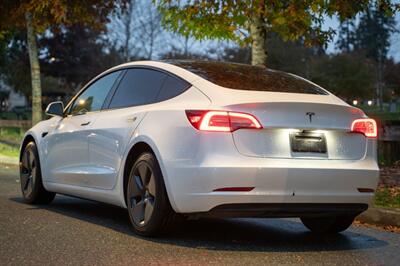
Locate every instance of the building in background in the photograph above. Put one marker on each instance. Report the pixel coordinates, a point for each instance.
(10, 99)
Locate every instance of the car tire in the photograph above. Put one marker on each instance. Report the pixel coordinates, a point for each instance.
(328, 225)
(33, 191)
(148, 205)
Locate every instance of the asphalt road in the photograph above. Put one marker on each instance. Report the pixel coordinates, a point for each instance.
(75, 231)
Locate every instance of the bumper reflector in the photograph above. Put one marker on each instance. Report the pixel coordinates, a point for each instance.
(234, 189)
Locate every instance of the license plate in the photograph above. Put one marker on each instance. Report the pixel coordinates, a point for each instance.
(308, 142)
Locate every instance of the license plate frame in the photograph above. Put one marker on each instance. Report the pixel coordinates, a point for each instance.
(308, 142)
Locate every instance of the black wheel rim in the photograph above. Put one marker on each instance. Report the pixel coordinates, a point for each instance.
(142, 194)
(28, 172)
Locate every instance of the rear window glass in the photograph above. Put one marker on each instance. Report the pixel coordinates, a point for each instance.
(247, 77)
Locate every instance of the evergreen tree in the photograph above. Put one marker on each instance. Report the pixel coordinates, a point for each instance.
(373, 39)
(372, 35)
(346, 38)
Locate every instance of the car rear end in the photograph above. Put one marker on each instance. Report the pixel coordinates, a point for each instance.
(276, 154)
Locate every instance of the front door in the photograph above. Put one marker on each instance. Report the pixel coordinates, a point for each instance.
(66, 155)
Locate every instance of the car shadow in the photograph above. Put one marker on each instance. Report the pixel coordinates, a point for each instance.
(271, 235)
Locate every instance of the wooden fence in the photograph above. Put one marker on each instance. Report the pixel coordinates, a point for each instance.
(388, 152)
(23, 124)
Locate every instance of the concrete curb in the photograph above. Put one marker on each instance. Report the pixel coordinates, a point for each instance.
(380, 216)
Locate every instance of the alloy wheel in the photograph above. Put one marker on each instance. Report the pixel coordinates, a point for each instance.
(28, 172)
(142, 193)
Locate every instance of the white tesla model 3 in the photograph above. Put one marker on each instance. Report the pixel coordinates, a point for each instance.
(205, 139)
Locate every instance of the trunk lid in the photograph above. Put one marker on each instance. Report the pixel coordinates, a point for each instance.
(284, 120)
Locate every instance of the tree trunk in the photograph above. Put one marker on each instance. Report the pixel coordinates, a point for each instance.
(127, 20)
(258, 33)
(380, 83)
(35, 71)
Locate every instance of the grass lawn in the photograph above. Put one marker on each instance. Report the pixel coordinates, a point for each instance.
(388, 191)
(7, 150)
(13, 135)
(387, 197)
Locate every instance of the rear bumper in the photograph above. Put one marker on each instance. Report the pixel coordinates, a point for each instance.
(209, 161)
(284, 210)
(276, 181)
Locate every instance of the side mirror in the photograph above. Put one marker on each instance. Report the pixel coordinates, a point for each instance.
(55, 109)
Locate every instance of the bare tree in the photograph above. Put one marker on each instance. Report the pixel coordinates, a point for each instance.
(181, 44)
(122, 28)
(138, 33)
(137, 30)
(150, 29)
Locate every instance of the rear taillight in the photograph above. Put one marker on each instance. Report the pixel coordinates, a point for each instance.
(366, 126)
(222, 121)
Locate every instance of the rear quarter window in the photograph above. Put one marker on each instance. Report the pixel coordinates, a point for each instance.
(171, 88)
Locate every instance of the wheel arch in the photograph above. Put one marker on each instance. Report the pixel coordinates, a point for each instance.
(135, 151)
(28, 138)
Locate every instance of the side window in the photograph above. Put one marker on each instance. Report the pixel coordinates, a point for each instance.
(172, 87)
(138, 87)
(93, 97)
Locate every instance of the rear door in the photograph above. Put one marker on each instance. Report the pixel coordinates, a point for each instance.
(113, 129)
(66, 156)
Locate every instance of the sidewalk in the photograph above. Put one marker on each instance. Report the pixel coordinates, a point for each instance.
(8, 160)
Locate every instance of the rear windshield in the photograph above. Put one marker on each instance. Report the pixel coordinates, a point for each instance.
(247, 77)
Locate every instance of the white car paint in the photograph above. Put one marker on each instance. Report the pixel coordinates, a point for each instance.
(88, 161)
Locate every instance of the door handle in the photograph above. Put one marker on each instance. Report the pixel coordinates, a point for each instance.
(85, 124)
(132, 119)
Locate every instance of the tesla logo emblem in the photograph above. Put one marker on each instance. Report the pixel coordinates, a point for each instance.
(310, 115)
